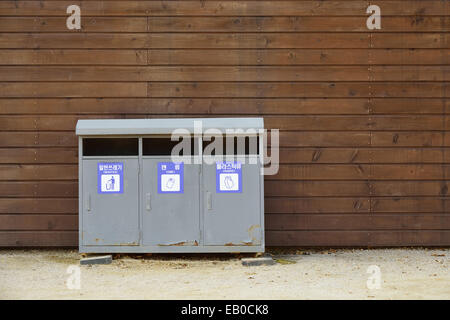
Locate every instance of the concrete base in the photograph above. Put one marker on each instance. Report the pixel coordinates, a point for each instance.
(263, 261)
(96, 260)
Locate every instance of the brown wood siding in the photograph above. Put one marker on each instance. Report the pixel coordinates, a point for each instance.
(363, 115)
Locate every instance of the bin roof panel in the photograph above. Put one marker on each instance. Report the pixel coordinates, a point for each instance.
(162, 126)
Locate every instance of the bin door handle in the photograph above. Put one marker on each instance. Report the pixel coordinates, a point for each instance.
(208, 200)
(148, 202)
(88, 204)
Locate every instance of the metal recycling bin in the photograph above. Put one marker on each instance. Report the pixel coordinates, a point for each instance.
(134, 197)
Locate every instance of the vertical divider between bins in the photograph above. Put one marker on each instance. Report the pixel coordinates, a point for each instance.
(201, 189)
(140, 195)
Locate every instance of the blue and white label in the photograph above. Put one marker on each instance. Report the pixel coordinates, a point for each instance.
(170, 177)
(229, 177)
(110, 177)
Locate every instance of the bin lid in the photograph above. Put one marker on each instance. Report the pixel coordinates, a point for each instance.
(162, 126)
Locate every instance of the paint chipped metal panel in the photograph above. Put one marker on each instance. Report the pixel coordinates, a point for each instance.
(234, 219)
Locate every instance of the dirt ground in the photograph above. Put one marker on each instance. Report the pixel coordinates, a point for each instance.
(299, 274)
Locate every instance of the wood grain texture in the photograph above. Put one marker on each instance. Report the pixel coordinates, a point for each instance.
(233, 57)
(39, 189)
(37, 238)
(223, 8)
(285, 123)
(223, 106)
(254, 40)
(73, 57)
(363, 115)
(356, 222)
(299, 57)
(38, 206)
(204, 73)
(39, 222)
(224, 24)
(367, 238)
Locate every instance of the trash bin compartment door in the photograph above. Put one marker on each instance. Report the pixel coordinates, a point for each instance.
(171, 203)
(232, 203)
(110, 202)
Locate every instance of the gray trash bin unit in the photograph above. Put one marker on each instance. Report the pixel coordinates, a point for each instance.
(134, 198)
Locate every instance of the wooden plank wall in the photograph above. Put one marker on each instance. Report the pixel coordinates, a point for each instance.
(364, 122)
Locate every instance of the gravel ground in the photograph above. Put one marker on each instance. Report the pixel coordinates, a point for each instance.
(299, 274)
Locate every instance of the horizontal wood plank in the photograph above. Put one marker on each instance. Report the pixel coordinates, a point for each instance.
(73, 89)
(299, 57)
(359, 238)
(193, 40)
(324, 139)
(38, 206)
(38, 172)
(39, 189)
(73, 57)
(308, 222)
(362, 172)
(222, 73)
(88, 24)
(300, 40)
(285, 123)
(33, 222)
(281, 188)
(38, 155)
(232, 57)
(317, 205)
(204, 106)
(39, 239)
(227, 24)
(405, 205)
(296, 89)
(409, 139)
(409, 188)
(225, 106)
(221, 8)
(42, 139)
(363, 155)
(296, 24)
